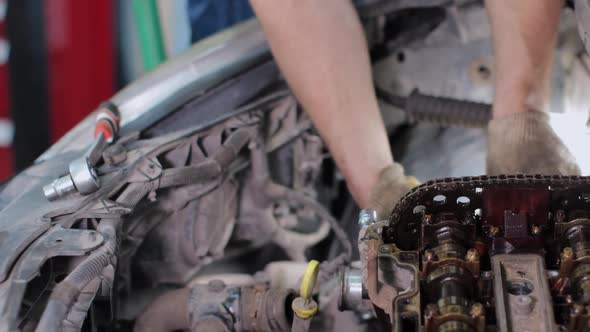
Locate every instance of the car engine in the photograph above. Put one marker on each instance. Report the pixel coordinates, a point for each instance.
(462, 254)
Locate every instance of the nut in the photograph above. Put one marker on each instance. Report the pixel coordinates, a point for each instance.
(429, 256)
(472, 256)
(476, 310)
(567, 254)
(367, 217)
(494, 231)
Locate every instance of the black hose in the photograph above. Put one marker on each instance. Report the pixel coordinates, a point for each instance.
(439, 110)
(391, 99)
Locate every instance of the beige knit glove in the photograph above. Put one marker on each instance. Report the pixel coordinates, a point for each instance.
(525, 143)
(391, 186)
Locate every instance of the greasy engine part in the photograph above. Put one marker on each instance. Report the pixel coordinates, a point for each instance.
(220, 307)
(449, 273)
(510, 253)
(573, 281)
(440, 111)
(222, 165)
(243, 205)
(187, 189)
(524, 302)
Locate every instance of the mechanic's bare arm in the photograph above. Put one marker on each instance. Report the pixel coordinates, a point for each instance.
(524, 34)
(321, 49)
(520, 137)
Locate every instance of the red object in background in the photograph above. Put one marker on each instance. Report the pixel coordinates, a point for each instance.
(5, 150)
(81, 64)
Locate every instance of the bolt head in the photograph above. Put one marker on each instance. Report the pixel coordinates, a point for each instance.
(494, 231)
(429, 256)
(427, 219)
(472, 255)
(567, 253)
(476, 310)
(367, 217)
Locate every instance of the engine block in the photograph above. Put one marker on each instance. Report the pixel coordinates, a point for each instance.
(507, 253)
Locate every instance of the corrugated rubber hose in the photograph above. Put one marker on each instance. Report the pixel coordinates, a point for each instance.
(439, 110)
(67, 291)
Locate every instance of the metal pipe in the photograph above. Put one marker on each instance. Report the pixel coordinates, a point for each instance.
(167, 313)
(163, 90)
(205, 65)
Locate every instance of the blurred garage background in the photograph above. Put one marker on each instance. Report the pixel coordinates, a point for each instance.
(60, 58)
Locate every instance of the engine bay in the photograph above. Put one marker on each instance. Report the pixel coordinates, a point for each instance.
(216, 206)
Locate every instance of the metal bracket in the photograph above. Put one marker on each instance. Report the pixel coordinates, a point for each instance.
(58, 241)
(148, 169)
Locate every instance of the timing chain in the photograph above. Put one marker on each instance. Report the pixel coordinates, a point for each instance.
(471, 182)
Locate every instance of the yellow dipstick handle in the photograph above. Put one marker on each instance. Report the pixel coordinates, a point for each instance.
(304, 306)
(309, 278)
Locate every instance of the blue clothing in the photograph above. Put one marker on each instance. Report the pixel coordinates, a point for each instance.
(210, 16)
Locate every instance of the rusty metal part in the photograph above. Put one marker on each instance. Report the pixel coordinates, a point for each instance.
(166, 313)
(523, 301)
(450, 283)
(574, 267)
(392, 281)
(458, 320)
(220, 307)
(266, 309)
(458, 225)
(574, 270)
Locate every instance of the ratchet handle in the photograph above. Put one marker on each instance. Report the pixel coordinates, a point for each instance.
(107, 122)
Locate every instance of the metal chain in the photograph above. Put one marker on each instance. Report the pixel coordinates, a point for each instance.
(442, 186)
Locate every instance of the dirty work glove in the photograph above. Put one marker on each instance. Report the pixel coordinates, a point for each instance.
(390, 187)
(525, 143)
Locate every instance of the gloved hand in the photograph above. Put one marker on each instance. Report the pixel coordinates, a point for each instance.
(525, 143)
(390, 187)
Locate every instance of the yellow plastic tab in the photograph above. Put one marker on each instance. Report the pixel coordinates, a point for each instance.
(305, 312)
(309, 278)
(412, 182)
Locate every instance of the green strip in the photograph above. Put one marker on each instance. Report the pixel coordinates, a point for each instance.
(150, 36)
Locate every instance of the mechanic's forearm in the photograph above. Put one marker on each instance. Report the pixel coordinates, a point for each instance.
(322, 52)
(524, 34)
